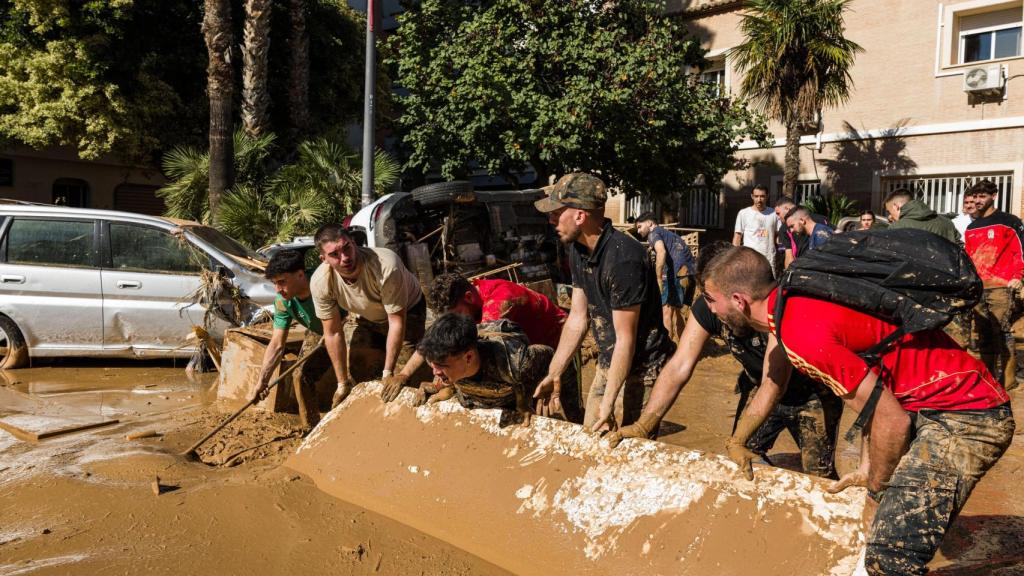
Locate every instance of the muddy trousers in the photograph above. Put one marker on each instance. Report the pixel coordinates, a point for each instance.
(992, 334)
(632, 398)
(367, 344)
(949, 453)
(814, 425)
(310, 375)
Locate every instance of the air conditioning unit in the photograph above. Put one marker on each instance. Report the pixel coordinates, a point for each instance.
(983, 79)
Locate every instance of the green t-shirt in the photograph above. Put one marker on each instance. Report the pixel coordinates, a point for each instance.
(301, 311)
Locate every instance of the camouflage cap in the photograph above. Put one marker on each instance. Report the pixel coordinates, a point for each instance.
(576, 190)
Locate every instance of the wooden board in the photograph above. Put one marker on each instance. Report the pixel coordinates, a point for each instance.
(33, 428)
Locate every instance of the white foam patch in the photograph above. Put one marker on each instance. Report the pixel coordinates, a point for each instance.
(35, 565)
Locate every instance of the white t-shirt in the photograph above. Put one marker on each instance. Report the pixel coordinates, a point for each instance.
(961, 222)
(384, 286)
(758, 229)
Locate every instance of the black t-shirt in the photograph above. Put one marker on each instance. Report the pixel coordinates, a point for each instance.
(749, 352)
(616, 276)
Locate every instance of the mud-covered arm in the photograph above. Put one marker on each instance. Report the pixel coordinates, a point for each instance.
(774, 382)
(396, 335)
(886, 433)
(678, 371)
(271, 356)
(334, 341)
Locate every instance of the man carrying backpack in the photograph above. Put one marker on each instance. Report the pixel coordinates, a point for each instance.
(994, 242)
(935, 424)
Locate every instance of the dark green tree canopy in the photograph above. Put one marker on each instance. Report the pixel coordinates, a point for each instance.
(568, 85)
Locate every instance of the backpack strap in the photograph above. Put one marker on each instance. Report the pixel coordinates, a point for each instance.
(873, 357)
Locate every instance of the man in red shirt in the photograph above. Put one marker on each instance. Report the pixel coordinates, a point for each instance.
(994, 242)
(919, 477)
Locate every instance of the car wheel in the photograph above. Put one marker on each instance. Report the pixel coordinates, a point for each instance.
(13, 350)
(444, 193)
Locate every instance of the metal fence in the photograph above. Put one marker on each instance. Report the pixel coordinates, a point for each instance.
(945, 193)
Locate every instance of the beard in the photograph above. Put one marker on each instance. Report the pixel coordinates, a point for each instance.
(570, 236)
(737, 322)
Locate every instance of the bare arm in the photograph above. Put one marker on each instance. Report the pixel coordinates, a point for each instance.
(271, 356)
(396, 334)
(659, 260)
(334, 341)
(737, 238)
(677, 372)
(575, 327)
(886, 434)
(625, 322)
(774, 382)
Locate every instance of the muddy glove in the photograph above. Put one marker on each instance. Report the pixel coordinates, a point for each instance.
(344, 389)
(392, 387)
(736, 445)
(642, 428)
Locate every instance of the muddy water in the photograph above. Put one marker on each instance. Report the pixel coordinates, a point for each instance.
(83, 504)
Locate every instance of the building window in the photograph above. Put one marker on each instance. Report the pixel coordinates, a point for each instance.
(714, 74)
(990, 36)
(71, 192)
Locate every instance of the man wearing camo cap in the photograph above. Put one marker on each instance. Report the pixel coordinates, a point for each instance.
(616, 293)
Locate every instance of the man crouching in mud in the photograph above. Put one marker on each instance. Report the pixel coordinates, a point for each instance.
(294, 303)
(809, 410)
(940, 422)
(493, 368)
(374, 285)
(613, 284)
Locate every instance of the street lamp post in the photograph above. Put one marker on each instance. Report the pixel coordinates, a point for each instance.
(368, 94)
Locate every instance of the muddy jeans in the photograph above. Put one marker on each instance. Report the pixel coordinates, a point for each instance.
(368, 343)
(310, 374)
(631, 399)
(814, 425)
(950, 452)
(993, 334)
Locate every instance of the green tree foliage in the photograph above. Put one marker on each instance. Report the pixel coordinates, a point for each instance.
(573, 84)
(101, 75)
(322, 185)
(129, 76)
(796, 62)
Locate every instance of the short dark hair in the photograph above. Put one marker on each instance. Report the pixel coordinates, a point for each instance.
(984, 186)
(647, 217)
(450, 334)
(446, 291)
(740, 269)
(798, 210)
(898, 194)
(331, 233)
(784, 201)
(707, 254)
(283, 262)
(759, 187)
(867, 213)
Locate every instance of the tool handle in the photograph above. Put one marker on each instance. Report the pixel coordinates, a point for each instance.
(255, 399)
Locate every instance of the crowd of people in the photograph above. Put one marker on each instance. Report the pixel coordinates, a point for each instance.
(941, 414)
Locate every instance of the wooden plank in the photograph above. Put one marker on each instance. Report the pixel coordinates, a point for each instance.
(32, 428)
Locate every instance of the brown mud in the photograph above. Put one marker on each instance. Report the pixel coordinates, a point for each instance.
(83, 504)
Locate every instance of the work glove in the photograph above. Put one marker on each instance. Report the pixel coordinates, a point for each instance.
(736, 445)
(429, 393)
(392, 387)
(856, 478)
(344, 389)
(642, 428)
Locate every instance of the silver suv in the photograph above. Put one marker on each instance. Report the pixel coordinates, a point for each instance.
(81, 282)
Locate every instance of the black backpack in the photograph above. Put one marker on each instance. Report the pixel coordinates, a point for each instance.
(912, 278)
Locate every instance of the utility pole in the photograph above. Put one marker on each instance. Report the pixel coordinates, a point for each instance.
(368, 93)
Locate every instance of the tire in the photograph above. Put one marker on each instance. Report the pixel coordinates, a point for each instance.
(444, 193)
(14, 350)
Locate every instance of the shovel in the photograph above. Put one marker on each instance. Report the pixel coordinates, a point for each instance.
(191, 452)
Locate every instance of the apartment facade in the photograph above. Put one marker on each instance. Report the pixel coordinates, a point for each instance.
(937, 102)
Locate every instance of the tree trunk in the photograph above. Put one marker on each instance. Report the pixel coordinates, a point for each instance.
(298, 71)
(220, 88)
(255, 46)
(791, 171)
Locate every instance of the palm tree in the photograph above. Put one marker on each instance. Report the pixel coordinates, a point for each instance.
(220, 87)
(255, 47)
(298, 71)
(796, 62)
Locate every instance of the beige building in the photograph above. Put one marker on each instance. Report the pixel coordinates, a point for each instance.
(59, 176)
(938, 101)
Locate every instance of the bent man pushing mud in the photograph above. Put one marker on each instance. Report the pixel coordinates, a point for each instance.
(384, 296)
